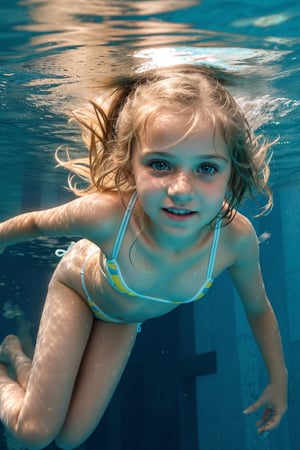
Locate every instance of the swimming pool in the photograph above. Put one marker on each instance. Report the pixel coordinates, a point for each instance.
(201, 366)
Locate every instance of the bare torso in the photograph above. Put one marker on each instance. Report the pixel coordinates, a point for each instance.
(146, 268)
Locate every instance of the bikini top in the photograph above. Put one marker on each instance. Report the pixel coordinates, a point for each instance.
(113, 274)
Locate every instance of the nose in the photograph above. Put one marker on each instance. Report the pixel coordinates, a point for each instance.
(181, 188)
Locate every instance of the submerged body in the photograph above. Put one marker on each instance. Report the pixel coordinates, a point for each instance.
(176, 238)
(184, 236)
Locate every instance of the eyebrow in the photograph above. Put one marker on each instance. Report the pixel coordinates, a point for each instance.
(208, 156)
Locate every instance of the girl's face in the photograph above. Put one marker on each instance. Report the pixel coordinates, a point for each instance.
(181, 185)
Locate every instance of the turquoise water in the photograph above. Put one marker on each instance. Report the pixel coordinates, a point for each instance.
(52, 55)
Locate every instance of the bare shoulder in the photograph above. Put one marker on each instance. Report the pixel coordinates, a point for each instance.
(240, 237)
(100, 204)
(100, 213)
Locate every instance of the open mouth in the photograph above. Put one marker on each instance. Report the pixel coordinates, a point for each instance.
(180, 213)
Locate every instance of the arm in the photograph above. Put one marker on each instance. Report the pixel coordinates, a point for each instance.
(246, 275)
(87, 216)
(274, 397)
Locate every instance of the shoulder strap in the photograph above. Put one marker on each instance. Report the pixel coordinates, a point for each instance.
(123, 226)
(213, 251)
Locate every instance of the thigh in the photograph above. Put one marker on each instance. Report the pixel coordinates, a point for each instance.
(64, 330)
(105, 358)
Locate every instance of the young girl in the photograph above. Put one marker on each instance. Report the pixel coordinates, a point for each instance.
(170, 159)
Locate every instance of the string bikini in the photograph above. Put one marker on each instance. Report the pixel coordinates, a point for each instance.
(113, 274)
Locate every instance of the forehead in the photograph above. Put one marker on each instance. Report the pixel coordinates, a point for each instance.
(168, 128)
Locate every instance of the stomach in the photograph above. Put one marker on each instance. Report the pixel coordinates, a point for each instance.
(83, 261)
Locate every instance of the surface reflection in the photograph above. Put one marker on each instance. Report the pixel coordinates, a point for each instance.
(57, 10)
(101, 23)
(57, 53)
(73, 43)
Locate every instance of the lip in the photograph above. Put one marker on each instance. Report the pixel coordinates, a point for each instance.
(179, 214)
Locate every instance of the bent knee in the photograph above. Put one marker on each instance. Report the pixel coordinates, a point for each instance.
(34, 437)
(34, 441)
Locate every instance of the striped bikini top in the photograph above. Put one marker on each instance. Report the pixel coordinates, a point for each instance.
(113, 274)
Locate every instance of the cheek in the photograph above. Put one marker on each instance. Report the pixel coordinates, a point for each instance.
(216, 189)
(147, 183)
(150, 187)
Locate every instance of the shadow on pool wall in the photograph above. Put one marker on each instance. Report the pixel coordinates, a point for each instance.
(194, 370)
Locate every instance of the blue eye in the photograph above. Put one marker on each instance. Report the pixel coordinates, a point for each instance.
(208, 169)
(159, 165)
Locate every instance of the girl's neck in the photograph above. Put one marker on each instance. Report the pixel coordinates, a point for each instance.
(174, 244)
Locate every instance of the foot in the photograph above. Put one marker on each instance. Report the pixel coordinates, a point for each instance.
(10, 346)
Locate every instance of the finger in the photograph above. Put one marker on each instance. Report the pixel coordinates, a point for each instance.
(270, 424)
(267, 414)
(252, 407)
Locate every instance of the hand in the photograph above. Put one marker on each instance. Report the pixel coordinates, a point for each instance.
(274, 398)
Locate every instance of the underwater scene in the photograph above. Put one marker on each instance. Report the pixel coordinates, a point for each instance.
(193, 371)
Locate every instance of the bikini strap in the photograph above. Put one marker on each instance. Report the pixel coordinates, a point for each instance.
(213, 251)
(123, 226)
(60, 252)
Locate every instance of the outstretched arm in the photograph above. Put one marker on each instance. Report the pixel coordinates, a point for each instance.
(247, 278)
(87, 216)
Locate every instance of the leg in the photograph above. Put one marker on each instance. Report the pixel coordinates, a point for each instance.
(11, 353)
(36, 414)
(105, 358)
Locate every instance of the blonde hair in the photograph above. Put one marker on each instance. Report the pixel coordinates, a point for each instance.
(112, 126)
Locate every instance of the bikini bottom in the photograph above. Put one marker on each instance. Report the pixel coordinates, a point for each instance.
(97, 312)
